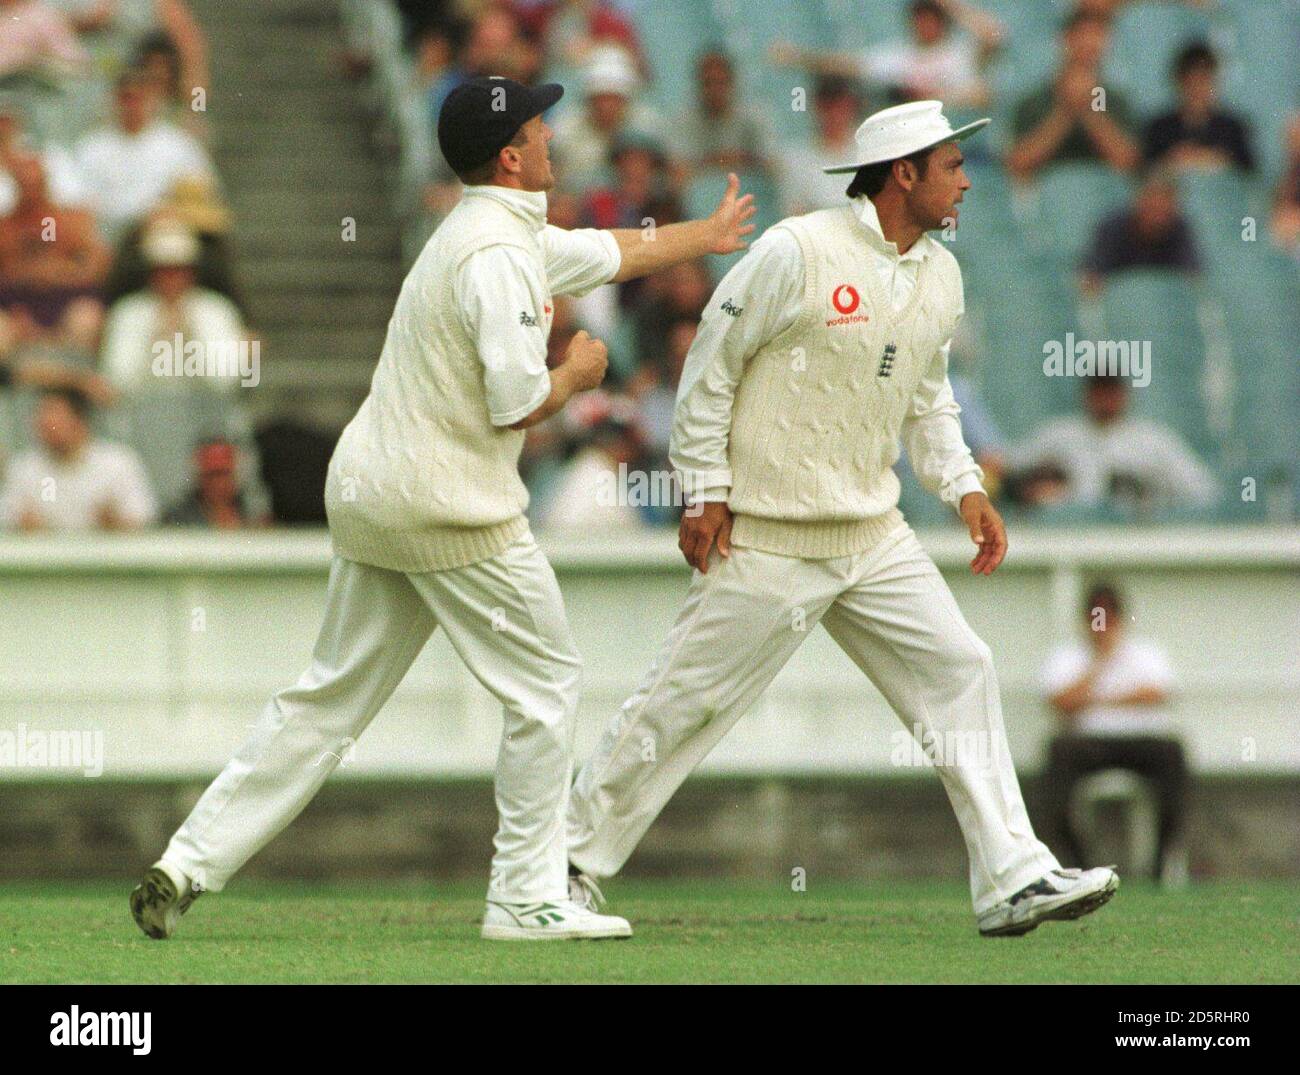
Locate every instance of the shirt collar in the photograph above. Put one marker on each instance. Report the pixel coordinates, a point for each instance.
(529, 205)
(865, 210)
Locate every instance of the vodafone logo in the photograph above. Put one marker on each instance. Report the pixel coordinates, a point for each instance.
(845, 298)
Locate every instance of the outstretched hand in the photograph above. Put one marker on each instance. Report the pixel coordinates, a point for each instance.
(728, 220)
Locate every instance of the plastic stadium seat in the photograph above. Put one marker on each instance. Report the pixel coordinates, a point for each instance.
(1162, 308)
(1065, 204)
(672, 34)
(702, 195)
(1216, 205)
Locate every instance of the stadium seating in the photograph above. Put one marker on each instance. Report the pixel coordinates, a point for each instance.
(1162, 308)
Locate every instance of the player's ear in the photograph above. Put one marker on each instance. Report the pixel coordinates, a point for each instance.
(905, 173)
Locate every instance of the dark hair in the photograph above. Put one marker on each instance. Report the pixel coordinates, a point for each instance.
(929, 7)
(870, 178)
(1104, 380)
(73, 397)
(486, 172)
(1102, 593)
(1195, 55)
(1080, 15)
(828, 87)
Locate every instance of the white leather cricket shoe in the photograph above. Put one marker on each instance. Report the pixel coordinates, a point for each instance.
(1060, 894)
(561, 920)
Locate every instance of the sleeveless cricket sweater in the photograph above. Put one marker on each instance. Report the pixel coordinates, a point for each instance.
(421, 480)
(817, 415)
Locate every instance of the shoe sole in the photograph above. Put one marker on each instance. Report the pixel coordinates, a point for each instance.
(1066, 912)
(525, 933)
(155, 905)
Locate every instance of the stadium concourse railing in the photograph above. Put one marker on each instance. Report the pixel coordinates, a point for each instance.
(166, 645)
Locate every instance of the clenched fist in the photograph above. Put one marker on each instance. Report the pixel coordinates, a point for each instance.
(588, 358)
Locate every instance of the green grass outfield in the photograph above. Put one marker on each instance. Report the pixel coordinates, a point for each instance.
(685, 932)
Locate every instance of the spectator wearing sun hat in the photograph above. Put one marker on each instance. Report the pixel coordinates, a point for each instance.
(172, 303)
(609, 110)
(195, 203)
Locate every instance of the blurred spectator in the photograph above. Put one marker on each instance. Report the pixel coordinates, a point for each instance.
(1153, 234)
(718, 132)
(37, 40)
(1111, 695)
(676, 294)
(73, 481)
(159, 60)
(935, 62)
(32, 372)
(594, 491)
(145, 321)
(62, 178)
(573, 29)
(803, 185)
(218, 501)
(496, 46)
(654, 387)
(1074, 117)
(1286, 202)
(52, 264)
(585, 135)
(641, 189)
(129, 167)
(1198, 133)
(1107, 457)
(438, 71)
(193, 203)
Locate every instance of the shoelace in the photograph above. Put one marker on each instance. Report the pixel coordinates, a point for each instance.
(590, 891)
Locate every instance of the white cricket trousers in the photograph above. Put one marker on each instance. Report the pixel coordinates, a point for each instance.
(505, 618)
(891, 612)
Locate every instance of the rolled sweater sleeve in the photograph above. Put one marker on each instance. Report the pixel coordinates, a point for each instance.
(501, 299)
(932, 433)
(754, 303)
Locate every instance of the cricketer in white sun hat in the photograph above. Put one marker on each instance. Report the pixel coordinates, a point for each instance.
(903, 130)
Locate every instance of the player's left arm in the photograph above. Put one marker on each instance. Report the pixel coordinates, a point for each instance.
(648, 250)
(944, 464)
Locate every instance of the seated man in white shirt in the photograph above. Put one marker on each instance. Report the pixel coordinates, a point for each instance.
(1111, 695)
(73, 481)
(949, 44)
(153, 337)
(127, 168)
(1109, 457)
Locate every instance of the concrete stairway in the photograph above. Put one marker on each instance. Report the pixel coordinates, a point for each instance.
(291, 142)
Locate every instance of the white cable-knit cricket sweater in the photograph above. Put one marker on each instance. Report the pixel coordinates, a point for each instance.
(421, 480)
(817, 415)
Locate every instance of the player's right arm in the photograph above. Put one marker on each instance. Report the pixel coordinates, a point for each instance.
(755, 302)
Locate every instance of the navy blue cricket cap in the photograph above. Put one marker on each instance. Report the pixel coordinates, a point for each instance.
(480, 117)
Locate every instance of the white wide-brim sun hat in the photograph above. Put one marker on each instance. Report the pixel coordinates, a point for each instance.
(903, 130)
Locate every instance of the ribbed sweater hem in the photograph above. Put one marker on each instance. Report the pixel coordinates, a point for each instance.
(814, 540)
(416, 551)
